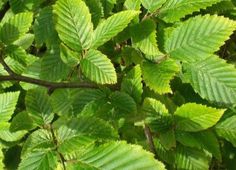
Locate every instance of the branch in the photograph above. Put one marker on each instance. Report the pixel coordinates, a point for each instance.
(51, 85)
(48, 84)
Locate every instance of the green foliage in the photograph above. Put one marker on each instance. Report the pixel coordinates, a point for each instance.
(117, 84)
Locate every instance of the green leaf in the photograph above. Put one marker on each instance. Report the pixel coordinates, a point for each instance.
(191, 159)
(153, 108)
(227, 129)
(52, 66)
(164, 154)
(1, 156)
(38, 106)
(119, 156)
(98, 68)
(68, 56)
(69, 140)
(8, 103)
(193, 117)
(174, 10)
(108, 6)
(201, 140)
(198, 37)
(39, 160)
(8, 136)
(44, 30)
(25, 41)
(153, 5)
(86, 96)
(92, 127)
(213, 79)
(2, 3)
(26, 5)
(123, 103)
(132, 83)
(62, 101)
(39, 140)
(73, 23)
(96, 10)
(22, 121)
(15, 27)
(132, 4)
(16, 53)
(158, 76)
(146, 40)
(112, 26)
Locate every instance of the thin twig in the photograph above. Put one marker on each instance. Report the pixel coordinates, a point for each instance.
(6, 67)
(148, 134)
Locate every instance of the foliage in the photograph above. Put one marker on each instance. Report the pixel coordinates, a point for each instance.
(117, 84)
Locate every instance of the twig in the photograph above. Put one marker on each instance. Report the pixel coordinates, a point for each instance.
(51, 85)
(148, 134)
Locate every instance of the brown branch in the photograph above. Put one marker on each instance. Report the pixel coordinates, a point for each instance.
(148, 135)
(51, 85)
(48, 84)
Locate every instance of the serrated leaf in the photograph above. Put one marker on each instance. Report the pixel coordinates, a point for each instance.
(86, 96)
(174, 10)
(123, 102)
(92, 127)
(62, 101)
(119, 156)
(52, 67)
(15, 27)
(8, 103)
(73, 23)
(164, 154)
(17, 53)
(39, 160)
(38, 140)
(153, 108)
(98, 68)
(153, 5)
(108, 6)
(22, 121)
(68, 56)
(227, 129)
(158, 76)
(96, 10)
(193, 117)
(132, 83)
(44, 29)
(1, 156)
(69, 140)
(8, 136)
(213, 79)
(191, 159)
(198, 37)
(132, 4)
(26, 5)
(146, 40)
(25, 41)
(112, 26)
(38, 106)
(201, 140)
